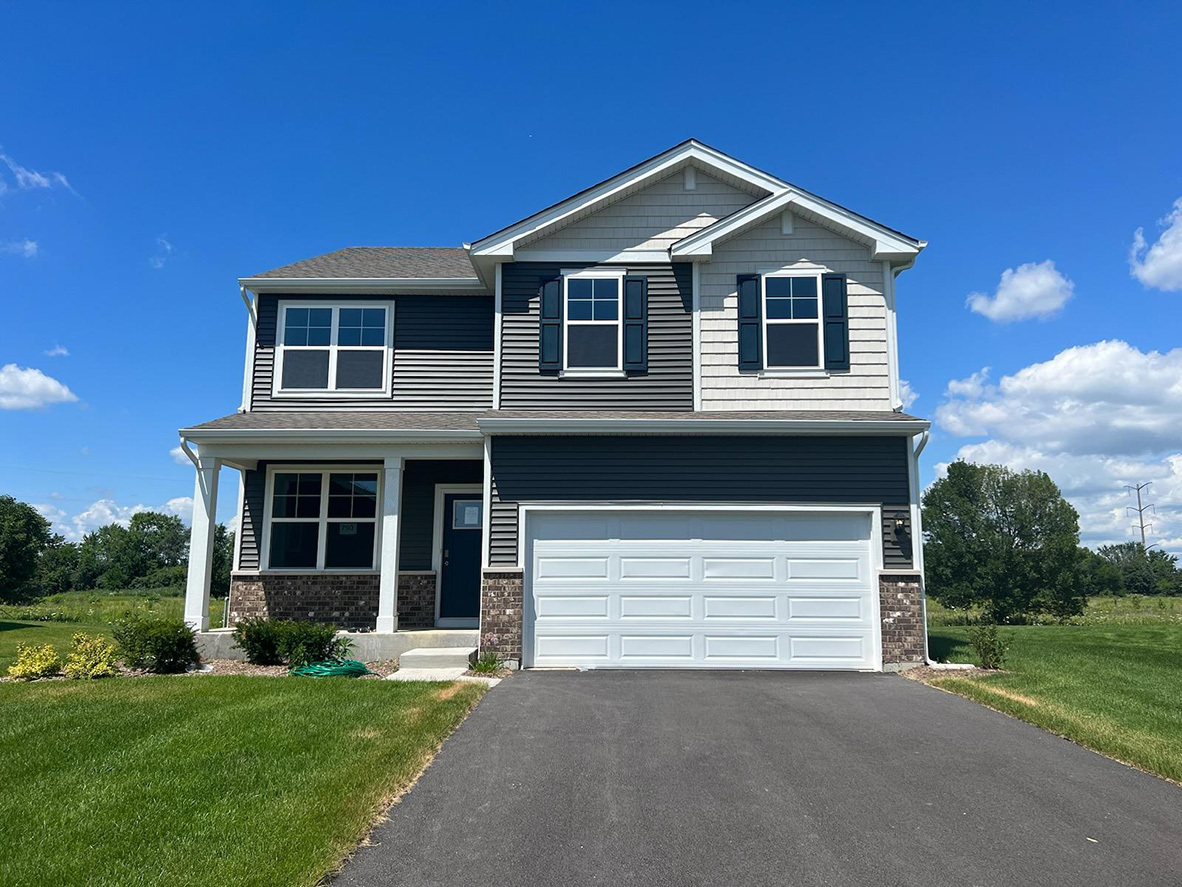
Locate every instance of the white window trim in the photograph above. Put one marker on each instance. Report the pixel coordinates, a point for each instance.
(277, 389)
(616, 372)
(771, 370)
(322, 536)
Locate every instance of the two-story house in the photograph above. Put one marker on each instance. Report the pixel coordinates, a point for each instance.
(657, 424)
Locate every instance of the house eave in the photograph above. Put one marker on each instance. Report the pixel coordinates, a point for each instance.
(208, 436)
(904, 428)
(377, 285)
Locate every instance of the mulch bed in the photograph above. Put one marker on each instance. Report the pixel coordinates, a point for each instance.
(927, 674)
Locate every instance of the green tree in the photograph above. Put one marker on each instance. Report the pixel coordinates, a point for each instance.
(1003, 540)
(57, 567)
(223, 560)
(1098, 575)
(24, 534)
(1142, 571)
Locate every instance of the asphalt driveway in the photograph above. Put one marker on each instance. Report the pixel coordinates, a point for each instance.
(762, 778)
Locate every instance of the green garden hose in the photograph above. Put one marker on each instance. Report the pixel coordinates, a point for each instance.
(332, 668)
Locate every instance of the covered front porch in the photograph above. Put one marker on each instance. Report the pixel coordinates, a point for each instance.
(379, 534)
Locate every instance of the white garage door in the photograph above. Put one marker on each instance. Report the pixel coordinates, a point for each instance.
(700, 589)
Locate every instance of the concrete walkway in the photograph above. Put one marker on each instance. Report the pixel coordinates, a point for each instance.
(758, 778)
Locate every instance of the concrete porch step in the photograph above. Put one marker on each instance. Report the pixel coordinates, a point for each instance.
(436, 657)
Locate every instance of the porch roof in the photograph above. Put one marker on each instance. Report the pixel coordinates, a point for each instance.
(456, 425)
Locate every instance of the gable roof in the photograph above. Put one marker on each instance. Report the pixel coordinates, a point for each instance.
(774, 194)
(381, 261)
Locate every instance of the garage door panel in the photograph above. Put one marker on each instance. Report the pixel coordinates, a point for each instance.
(784, 591)
(735, 607)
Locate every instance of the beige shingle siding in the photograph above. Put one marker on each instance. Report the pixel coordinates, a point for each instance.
(867, 384)
(653, 218)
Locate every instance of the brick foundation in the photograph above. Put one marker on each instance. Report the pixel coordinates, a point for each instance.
(347, 600)
(416, 600)
(501, 598)
(900, 598)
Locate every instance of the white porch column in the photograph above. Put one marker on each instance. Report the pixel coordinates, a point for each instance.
(391, 504)
(205, 504)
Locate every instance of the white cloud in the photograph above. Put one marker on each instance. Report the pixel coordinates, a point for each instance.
(1160, 265)
(31, 179)
(1094, 417)
(58, 351)
(907, 394)
(164, 250)
(108, 511)
(30, 389)
(178, 456)
(26, 249)
(1033, 290)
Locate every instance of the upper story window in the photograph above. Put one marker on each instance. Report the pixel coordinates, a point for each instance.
(792, 325)
(341, 348)
(593, 330)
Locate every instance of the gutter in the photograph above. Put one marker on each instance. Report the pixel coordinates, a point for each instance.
(463, 285)
(702, 426)
(326, 435)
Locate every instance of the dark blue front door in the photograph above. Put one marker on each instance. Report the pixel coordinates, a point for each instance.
(459, 586)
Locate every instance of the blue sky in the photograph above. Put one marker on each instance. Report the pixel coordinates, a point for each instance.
(152, 155)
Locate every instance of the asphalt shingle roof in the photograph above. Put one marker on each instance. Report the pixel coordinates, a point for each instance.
(381, 262)
(467, 421)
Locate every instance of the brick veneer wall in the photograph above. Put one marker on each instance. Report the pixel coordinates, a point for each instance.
(348, 600)
(501, 599)
(900, 597)
(416, 600)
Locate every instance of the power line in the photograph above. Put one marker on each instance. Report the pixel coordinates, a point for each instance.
(1140, 510)
(85, 473)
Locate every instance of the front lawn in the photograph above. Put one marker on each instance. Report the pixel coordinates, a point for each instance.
(1110, 684)
(205, 780)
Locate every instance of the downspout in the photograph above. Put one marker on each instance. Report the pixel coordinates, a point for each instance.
(252, 321)
(917, 544)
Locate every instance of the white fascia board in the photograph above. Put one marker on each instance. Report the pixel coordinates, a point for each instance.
(325, 436)
(906, 428)
(441, 285)
(885, 244)
(598, 256)
(502, 242)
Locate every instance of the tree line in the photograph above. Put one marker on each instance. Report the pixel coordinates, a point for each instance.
(1007, 543)
(152, 551)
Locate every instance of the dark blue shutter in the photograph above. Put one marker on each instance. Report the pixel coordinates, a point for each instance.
(636, 324)
(550, 325)
(750, 323)
(836, 317)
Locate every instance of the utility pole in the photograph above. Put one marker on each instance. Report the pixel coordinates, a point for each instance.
(1140, 510)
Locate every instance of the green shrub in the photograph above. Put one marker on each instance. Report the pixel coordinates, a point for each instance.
(259, 639)
(160, 645)
(989, 645)
(278, 641)
(488, 663)
(91, 657)
(303, 642)
(34, 661)
(171, 578)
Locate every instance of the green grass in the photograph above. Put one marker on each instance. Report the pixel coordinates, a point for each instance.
(205, 781)
(55, 619)
(1112, 686)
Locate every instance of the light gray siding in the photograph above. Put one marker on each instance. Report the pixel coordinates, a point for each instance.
(443, 356)
(867, 384)
(652, 218)
(667, 385)
(862, 470)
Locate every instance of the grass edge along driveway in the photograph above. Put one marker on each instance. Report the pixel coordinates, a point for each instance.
(207, 780)
(1111, 688)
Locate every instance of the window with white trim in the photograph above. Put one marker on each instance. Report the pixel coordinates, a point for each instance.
(592, 329)
(323, 520)
(791, 321)
(341, 348)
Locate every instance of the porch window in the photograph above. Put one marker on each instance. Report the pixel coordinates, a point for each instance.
(323, 520)
(335, 349)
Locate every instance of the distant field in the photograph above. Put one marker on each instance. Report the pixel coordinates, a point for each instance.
(1133, 609)
(1110, 681)
(55, 619)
